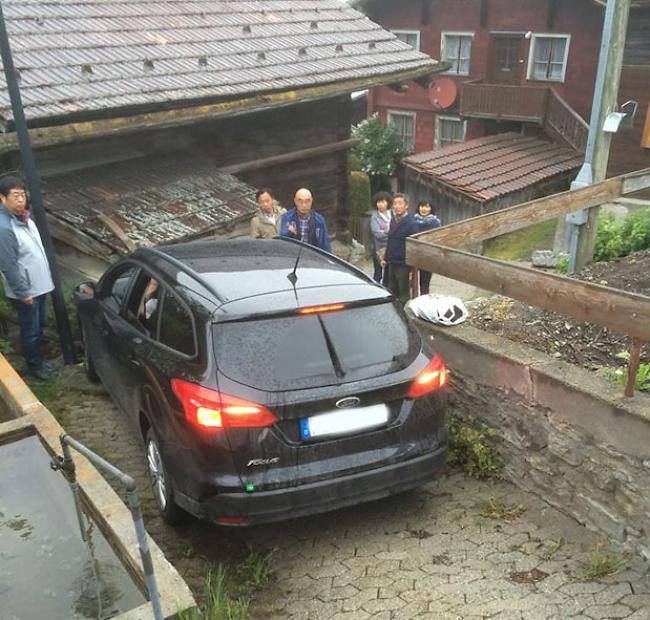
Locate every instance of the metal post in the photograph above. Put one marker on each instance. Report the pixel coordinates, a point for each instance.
(582, 224)
(134, 507)
(36, 198)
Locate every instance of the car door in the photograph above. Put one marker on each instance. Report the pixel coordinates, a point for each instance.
(133, 335)
(112, 292)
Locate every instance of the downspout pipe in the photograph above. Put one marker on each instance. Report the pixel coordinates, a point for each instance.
(586, 176)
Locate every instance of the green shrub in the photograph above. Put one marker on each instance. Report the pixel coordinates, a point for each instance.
(470, 446)
(358, 194)
(620, 237)
(379, 150)
(562, 265)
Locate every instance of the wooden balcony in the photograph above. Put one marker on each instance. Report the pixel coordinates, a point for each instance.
(526, 104)
(504, 102)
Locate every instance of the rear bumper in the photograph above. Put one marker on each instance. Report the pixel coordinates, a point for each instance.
(321, 496)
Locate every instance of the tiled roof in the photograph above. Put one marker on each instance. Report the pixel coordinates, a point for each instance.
(154, 201)
(491, 167)
(79, 56)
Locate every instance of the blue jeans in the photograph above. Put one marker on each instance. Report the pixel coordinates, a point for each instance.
(32, 321)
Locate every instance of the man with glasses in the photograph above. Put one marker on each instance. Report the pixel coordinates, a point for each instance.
(25, 271)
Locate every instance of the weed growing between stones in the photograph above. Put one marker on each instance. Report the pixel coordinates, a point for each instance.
(496, 509)
(470, 447)
(603, 563)
(551, 550)
(228, 594)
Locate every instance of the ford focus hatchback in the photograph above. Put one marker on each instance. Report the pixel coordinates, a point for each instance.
(267, 379)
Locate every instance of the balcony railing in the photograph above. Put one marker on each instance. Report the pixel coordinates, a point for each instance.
(563, 121)
(530, 104)
(504, 102)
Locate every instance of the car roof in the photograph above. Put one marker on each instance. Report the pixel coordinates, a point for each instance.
(241, 269)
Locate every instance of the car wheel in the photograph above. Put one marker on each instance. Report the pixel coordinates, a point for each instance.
(160, 483)
(89, 366)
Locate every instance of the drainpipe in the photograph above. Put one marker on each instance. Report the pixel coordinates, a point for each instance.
(605, 97)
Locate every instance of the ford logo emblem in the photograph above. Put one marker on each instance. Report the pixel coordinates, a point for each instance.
(345, 403)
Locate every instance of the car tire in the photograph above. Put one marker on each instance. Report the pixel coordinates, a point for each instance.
(161, 484)
(89, 365)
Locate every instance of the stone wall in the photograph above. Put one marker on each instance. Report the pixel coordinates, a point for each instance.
(566, 434)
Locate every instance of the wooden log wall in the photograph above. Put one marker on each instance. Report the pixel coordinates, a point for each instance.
(234, 140)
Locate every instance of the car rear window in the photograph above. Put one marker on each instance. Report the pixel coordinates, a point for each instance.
(299, 352)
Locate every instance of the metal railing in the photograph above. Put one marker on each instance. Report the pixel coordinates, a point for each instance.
(66, 465)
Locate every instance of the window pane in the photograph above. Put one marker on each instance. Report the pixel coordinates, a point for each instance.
(296, 355)
(176, 329)
(410, 38)
(403, 124)
(548, 58)
(115, 290)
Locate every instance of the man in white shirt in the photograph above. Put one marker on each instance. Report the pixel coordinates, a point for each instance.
(25, 271)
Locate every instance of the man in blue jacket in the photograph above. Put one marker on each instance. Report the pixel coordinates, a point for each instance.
(402, 225)
(25, 271)
(304, 224)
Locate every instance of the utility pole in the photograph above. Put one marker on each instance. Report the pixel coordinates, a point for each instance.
(35, 195)
(583, 224)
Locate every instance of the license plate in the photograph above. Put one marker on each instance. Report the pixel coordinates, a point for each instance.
(343, 421)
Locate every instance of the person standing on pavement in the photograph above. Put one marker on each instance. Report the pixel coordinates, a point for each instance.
(304, 224)
(426, 220)
(402, 225)
(379, 225)
(266, 224)
(25, 272)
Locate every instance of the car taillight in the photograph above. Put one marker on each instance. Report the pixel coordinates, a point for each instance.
(433, 377)
(208, 408)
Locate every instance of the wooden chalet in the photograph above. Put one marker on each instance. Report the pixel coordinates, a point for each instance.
(154, 121)
(527, 66)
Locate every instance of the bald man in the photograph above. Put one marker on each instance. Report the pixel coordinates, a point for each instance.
(304, 224)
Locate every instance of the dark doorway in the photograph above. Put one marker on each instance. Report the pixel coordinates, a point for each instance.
(505, 56)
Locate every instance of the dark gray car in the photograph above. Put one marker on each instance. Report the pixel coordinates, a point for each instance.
(267, 378)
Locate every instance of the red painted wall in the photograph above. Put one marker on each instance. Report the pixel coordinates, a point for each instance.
(582, 19)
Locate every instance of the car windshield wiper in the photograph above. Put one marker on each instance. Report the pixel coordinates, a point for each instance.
(336, 362)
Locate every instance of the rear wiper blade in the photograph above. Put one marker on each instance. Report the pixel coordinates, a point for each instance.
(336, 362)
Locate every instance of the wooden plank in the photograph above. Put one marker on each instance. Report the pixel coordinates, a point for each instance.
(65, 233)
(286, 158)
(624, 312)
(636, 181)
(467, 232)
(117, 230)
(633, 366)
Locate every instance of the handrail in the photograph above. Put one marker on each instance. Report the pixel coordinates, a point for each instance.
(66, 465)
(439, 251)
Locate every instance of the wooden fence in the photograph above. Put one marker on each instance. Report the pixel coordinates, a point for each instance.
(440, 251)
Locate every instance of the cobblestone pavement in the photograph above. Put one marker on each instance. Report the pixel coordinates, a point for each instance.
(427, 554)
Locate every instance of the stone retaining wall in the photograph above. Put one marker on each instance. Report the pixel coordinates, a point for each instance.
(566, 434)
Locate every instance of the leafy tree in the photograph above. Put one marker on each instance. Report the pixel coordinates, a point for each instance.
(378, 152)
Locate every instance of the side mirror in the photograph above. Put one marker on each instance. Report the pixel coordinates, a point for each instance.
(85, 290)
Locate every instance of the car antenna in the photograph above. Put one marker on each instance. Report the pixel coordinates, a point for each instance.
(293, 276)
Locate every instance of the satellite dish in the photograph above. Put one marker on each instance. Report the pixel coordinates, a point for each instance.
(443, 93)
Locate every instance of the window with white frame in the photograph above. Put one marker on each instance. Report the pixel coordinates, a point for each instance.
(548, 57)
(449, 130)
(456, 49)
(410, 37)
(404, 125)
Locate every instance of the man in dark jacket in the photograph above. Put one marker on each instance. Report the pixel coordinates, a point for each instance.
(25, 271)
(402, 225)
(304, 224)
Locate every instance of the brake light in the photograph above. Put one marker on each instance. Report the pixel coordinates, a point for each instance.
(320, 309)
(208, 408)
(433, 377)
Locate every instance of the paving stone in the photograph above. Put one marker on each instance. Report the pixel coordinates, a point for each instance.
(607, 612)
